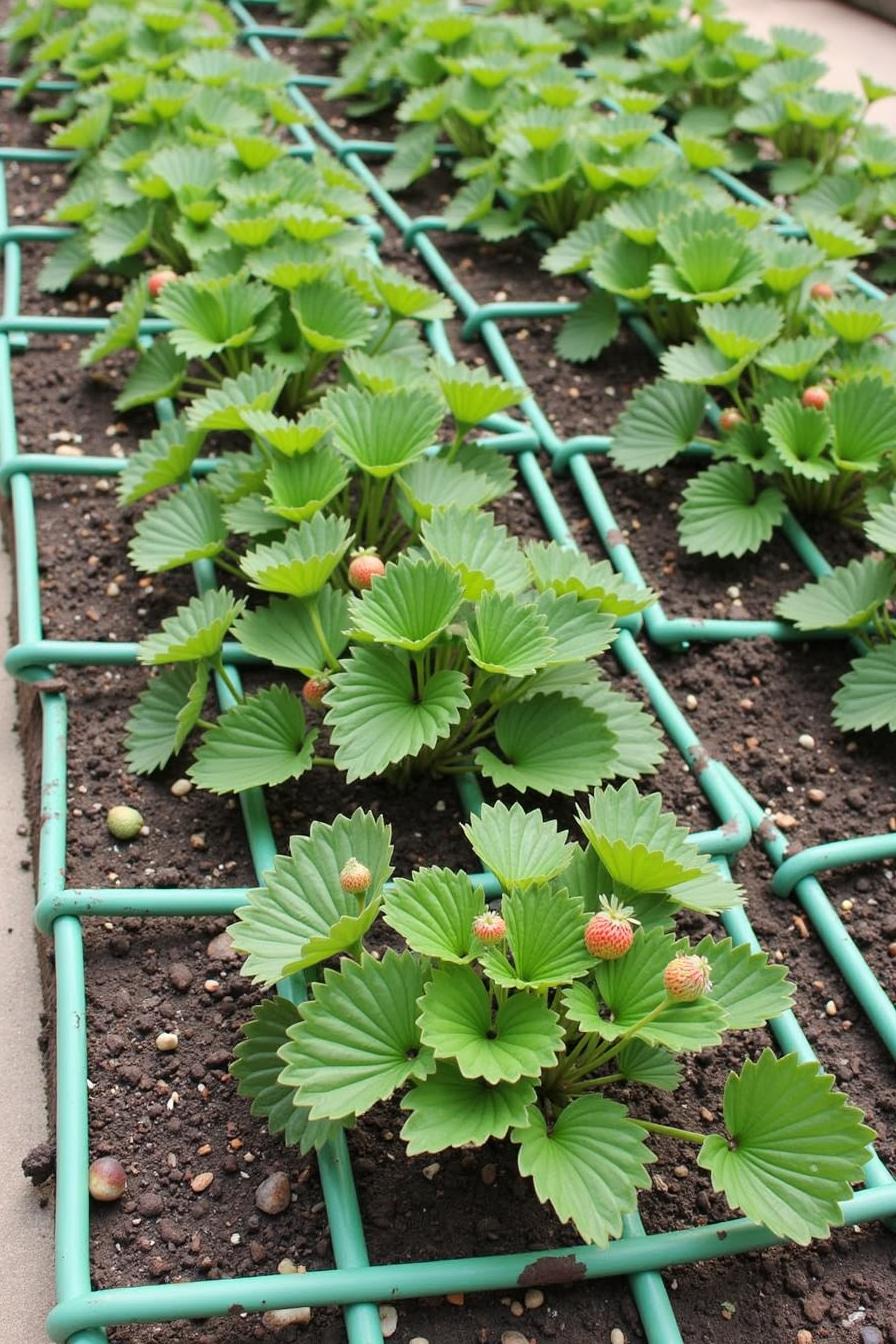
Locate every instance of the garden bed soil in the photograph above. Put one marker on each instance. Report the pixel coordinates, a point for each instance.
(150, 975)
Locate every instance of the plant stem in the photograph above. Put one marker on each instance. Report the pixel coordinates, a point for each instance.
(225, 677)
(670, 1131)
(321, 635)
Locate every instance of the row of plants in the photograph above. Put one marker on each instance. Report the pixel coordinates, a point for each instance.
(439, 644)
(770, 321)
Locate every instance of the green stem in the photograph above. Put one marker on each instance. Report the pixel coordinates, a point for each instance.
(222, 672)
(670, 1131)
(314, 613)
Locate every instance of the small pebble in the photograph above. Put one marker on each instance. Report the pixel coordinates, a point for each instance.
(806, 740)
(681, 1171)
(513, 1337)
(617, 1336)
(418, 1339)
(517, 1308)
(785, 821)
(816, 795)
(489, 1173)
(804, 1337)
(202, 1182)
(831, 1008)
(125, 823)
(273, 1195)
(388, 1320)
(181, 787)
(690, 702)
(432, 1171)
(456, 1299)
(891, 949)
(180, 976)
(221, 948)
(281, 1320)
(871, 1335)
(534, 1299)
(166, 1041)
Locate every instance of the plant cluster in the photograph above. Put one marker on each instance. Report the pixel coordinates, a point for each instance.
(524, 1020)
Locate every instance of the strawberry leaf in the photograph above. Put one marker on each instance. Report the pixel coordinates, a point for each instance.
(123, 329)
(641, 847)
(376, 1047)
(863, 420)
(195, 631)
(378, 716)
(795, 1148)
(164, 716)
(479, 550)
(163, 459)
(302, 563)
(285, 632)
(722, 513)
(383, 433)
(589, 330)
(186, 527)
(845, 599)
(794, 359)
(579, 629)
(589, 1166)
(158, 373)
(301, 914)
(230, 405)
(751, 989)
(301, 486)
(521, 848)
(549, 744)
(457, 1023)
(434, 912)
(648, 1065)
(451, 1111)
(433, 482)
(561, 570)
(508, 639)
(408, 606)
(257, 1067)
(880, 527)
(259, 741)
(799, 436)
(331, 317)
(657, 424)
(545, 945)
(472, 394)
(867, 694)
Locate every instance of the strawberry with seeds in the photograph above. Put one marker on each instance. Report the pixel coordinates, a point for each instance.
(609, 934)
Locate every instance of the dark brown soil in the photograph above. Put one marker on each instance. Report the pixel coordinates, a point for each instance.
(146, 976)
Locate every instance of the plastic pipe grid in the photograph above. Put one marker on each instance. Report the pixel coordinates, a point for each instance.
(82, 1313)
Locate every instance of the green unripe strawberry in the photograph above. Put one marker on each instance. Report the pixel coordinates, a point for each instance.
(354, 877)
(687, 978)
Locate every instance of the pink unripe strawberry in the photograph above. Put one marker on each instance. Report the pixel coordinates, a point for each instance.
(489, 927)
(314, 690)
(354, 877)
(686, 978)
(363, 569)
(730, 419)
(609, 933)
(815, 398)
(158, 280)
(821, 290)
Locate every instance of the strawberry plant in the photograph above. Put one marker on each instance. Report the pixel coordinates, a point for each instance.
(468, 653)
(859, 598)
(513, 1024)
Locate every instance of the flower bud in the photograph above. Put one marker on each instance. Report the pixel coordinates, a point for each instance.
(354, 877)
(489, 927)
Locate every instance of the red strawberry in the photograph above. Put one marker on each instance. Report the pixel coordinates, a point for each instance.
(158, 280)
(816, 398)
(489, 927)
(821, 291)
(610, 932)
(730, 419)
(354, 877)
(314, 690)
(686, 978)
(364, 568)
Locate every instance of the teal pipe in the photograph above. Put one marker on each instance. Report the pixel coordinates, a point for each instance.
(838, 854)
(383, 1283)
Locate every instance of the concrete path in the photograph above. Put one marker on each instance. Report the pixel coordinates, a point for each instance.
(856, 41)
(26, 1230)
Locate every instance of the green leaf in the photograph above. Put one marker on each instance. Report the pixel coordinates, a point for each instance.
(641, 847)
(788, 262)
(285, 632)
(158, 373)
(301, 915)
(793, 360)
(434, 482)
(544, 939)
(722, 514)
(123, 329)
(508, 639)
(68, 260)
(163, 459)
(384, 432)
(412, 158)
(549, 744)
(260, 741)
(358, 1039)
(837, 238)
(301, 564)
(301, 486)
(740, 330)
(589, 1166)
(589, 330)
(857, 319)
(863, 420)
(186, 527)
(473, 394)
(845, 599)
(631, 988)
(331, 317)
(880, 527)
(795, 1149)
(657, 424)
(289, 437)
(751, 989)
(563, 570)
(700, 363)
(121, 233)
(799, 436)
(457, 1023)
(404, 297)
(211, 315)
(521, 848)
(483, 554)
(867, 694)
(408, 606)
(195, 631)
(434, 912)
(579, 629)
(257, 1067)
(625, 268)
(451, 1111)
(164, 716)
(648, 1065)
(232, 404)
(378, 717)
